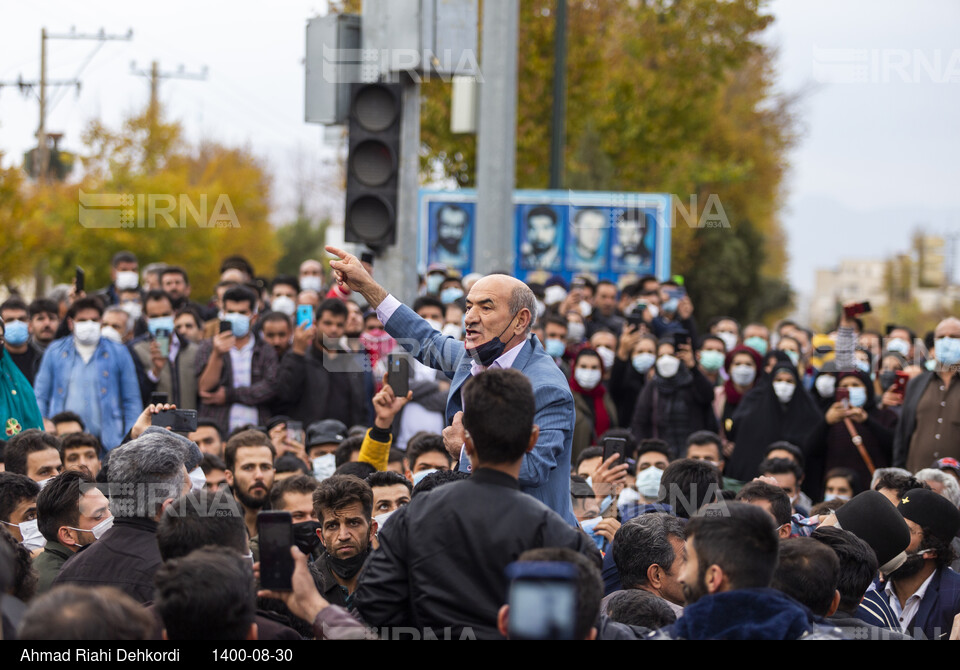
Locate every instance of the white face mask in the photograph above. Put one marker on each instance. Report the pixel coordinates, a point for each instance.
(452, 330)
(743, 375)
(587, 379)
(784, 390)
(311, 283)
(87, 332)
(826, 385)
(32, 539)
(668, 366)
(112, 334)
(133, 308)
(576, 331)
(586, 309)
(197, 479)
(382, 518)
(729, 340)
(607, 356)
(284, 304)
(97, 530)
(653, 311)
(127, 281)
(555, 294)
(324, 466)
(436, 325)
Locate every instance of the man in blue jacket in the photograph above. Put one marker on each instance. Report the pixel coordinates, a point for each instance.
(500, 314)
(90, 375)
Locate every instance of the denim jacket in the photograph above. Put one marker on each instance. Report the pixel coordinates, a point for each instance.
(118, 392)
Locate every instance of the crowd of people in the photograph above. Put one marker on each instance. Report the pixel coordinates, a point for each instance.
(579, 459)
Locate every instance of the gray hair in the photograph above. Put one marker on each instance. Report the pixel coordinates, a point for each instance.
(951, 489)
(142, 474)
(644, 541)
(523, 298)
(116, 309)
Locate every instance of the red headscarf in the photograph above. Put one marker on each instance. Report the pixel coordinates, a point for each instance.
(733, 396)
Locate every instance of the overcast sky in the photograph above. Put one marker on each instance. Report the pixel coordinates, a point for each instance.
(880, 82)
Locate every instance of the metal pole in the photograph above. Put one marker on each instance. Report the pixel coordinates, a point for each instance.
(558, 124)
(396, 270)
(496, 137)
(41, 165)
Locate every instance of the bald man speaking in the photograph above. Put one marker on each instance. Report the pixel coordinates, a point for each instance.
(500, 314)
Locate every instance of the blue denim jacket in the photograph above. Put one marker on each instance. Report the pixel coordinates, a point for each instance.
(118, 392)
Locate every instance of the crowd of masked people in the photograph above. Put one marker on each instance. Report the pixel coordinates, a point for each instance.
(715, 480)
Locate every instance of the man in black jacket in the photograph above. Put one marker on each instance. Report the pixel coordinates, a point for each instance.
(143, 475)
(318, 379)
(440, 565)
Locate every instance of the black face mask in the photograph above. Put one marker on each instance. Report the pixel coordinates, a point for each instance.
(486, 353)
(887, 378)
(346, 568)
(305, 536)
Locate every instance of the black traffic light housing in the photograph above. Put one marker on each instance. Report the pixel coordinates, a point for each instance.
(373, 164)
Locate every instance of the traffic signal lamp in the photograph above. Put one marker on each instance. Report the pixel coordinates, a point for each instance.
(373, 164)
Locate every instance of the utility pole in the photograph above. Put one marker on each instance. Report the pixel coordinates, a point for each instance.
(496, 137)
(153, 110)
(558, 123)
(43, 155)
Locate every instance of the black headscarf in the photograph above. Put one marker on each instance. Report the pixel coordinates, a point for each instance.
(762, 419)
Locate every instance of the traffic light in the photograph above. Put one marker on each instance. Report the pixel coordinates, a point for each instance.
(373, 164)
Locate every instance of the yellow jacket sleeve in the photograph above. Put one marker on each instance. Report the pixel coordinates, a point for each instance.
(374, 451)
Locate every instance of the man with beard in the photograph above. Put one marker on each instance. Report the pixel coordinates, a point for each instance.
(732, 552)
(631, 249)
(44, 321)
(924, 593)
(249, 458)
(453, 222)
(344, 506)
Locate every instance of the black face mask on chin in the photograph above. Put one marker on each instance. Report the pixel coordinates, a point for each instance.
(346, 568)
(486, 353)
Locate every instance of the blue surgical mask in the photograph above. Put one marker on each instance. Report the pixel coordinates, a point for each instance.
(863, 366)
(16, 333)
(670, 306)
(240, 322)
(711, 360)
(947, 350)
(433, 283)
(555, 348)
(159, 323)
(757, 343)
(793, 356)
(419, 476)
(643, 362)
(450, 294)
(858, 396)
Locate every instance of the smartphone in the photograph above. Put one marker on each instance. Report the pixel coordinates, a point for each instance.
(163, 341)
(226, 326)
(543, 600)
(304, 316)
(900, 385)
(675, 292)
(398, 374)
(159, 398)
(852, 311)
(275, 530)
(681, 338)
(614, 445)
(295, 431)
(635, 318)
(80, 279)
(178, 420)
(842, 394)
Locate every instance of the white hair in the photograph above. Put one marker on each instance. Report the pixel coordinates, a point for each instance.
(951, 489)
